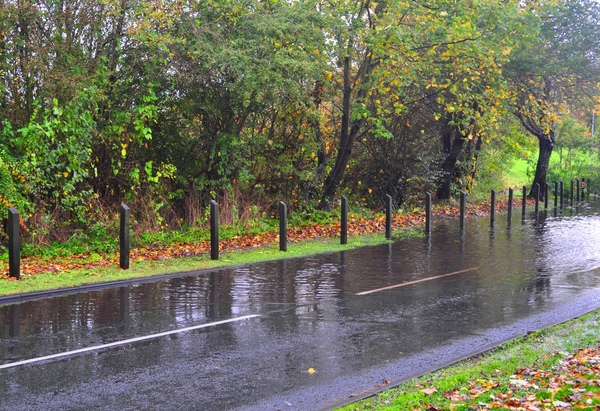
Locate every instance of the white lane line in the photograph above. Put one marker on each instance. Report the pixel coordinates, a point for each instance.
(417, 281)
(123, 342)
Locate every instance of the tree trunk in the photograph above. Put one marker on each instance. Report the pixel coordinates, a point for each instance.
(345, 147)
(546, 144)
(453, 146)
(349, 131)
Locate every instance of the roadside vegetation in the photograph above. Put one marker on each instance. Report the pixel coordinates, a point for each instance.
(166, 105)
(553, 369)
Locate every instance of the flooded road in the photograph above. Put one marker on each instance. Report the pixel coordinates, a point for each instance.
(249, 338)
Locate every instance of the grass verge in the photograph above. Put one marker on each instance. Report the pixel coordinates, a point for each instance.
(143, 268)
(554, 369)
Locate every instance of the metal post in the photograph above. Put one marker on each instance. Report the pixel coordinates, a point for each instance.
(14, 244)
(572, 192)
(388, 216)
(562, 194)
(578, 189)
(556, 194)
(214, 230)
(524, 201)
(546, 195)
(428, 213)
(537, 197)
(124, 237)
(493, 208)
(344, 232)
(510, 204)
(589, 188)
(282, 226)
(463, 209)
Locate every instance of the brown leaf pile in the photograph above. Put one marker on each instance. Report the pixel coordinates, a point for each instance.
(572, 384)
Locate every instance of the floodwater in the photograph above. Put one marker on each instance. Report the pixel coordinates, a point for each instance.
(359, 319)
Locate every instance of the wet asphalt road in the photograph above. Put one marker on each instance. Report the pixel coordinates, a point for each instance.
(363, 320)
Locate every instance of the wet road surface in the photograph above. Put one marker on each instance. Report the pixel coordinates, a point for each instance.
(245, 338)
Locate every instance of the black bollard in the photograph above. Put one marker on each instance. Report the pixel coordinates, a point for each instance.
(562, 194)
(214, 230)
(388, 216)
(524, 201)
(537, 197)
(124, 237)
(428, 213)
(589, 185)
(546, 195)
(556, 194)
(493, 208)
(463, 209)
(510, 205)
(282, 226)
(578, 182)
(14, 244)
(344, 232)
(572, 192)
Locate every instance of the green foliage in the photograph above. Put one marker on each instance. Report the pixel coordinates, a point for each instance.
(305, 217)
(166, 105)
(11, 179)
(55, 150)
(506, 163)
(575, 154)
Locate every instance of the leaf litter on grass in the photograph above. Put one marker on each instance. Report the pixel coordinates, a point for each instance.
(572, 383)
(357, 225)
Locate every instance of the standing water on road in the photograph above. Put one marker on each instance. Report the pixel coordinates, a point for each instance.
(250, 337)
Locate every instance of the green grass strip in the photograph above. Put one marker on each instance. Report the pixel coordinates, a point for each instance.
(522, 374)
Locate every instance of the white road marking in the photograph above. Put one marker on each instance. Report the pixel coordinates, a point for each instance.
(123, 342)
(416, 281)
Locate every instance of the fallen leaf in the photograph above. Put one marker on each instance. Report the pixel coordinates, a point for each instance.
(520, 383)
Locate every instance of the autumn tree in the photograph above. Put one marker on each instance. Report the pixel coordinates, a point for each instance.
(350, 25)
(556, 71)
(444, 58)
